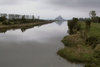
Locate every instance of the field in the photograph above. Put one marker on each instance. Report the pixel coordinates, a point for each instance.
(94, 30)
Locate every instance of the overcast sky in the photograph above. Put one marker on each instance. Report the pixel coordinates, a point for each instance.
(50, 9)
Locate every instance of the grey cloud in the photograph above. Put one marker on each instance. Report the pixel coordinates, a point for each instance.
(8, 2)
(49, 8)
(76, 3)
(14, 2)
(61, 3)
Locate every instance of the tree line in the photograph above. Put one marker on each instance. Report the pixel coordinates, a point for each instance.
(16, 18)
(93, 16)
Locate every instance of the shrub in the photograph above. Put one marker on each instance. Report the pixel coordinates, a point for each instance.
(2, 19)
(74, 26)
(71, 27)
(92, 41)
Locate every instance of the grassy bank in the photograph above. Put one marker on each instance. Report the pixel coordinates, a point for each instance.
(23, 25)
(77, 50)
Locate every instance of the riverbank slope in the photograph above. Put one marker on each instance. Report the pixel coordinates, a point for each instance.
(78, 50)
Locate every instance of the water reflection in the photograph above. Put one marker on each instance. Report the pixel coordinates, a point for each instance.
(59, 22)
(35, 47)
(3, 30)
(23, 29)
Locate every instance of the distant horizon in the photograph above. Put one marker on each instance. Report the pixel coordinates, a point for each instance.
(45, 18)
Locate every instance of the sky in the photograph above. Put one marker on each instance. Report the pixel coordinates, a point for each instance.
(50, 9)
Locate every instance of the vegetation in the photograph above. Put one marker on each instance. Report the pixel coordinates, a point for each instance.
(14, 21)
(73, 25)
(11, 19)
(93, 15)
(84, 44)
(24, 26)
(3, 18)
(77, 54)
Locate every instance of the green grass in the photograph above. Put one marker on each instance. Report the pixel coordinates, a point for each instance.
(94, 30)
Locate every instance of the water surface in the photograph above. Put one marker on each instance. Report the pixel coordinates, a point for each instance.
(34, 47)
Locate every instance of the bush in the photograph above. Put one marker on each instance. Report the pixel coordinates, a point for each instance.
(88, 24)
(2, 19)
(74, 26)
(92, 41)
(71, 27)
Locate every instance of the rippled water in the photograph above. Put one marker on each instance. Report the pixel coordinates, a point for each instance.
(35, 47)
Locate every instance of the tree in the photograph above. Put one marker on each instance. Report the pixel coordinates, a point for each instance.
(33, 17)
(23, 17)
(92, 14)
(87, 27)
(3, 18)
(73, 26)
(88, 24)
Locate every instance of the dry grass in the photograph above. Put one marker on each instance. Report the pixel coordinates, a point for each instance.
(80, 54)
(73, 40)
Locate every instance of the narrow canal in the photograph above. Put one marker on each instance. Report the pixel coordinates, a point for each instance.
(34, 47)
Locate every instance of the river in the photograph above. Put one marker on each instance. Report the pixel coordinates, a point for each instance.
(34, 47)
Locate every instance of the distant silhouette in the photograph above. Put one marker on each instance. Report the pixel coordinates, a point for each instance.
(59, 18)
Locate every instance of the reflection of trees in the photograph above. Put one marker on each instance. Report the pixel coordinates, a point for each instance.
(59, 22)
(23, 29)
(3, 30)
(26, 28)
